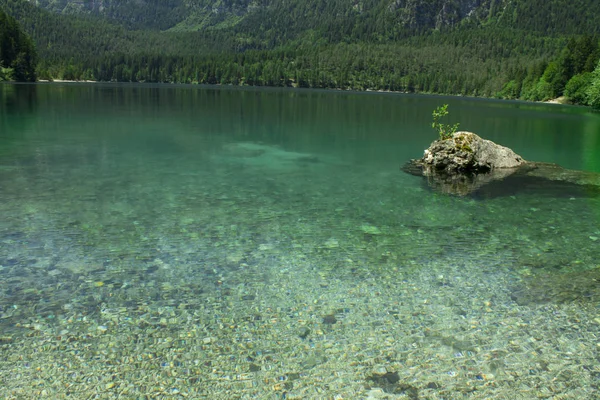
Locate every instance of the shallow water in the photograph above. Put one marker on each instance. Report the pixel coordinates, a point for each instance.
(219, 242)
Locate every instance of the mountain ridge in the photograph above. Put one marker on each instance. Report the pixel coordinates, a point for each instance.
(385, 17)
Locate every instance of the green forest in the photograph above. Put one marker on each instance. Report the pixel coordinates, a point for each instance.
(528, 49)
(18, 59)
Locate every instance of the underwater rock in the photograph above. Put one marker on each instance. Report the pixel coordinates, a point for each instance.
(556, 173)
(554, 287)
(467, 165)
(370, 230)
(256, 153)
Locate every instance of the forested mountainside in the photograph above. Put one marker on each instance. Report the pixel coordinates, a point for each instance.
(388, 18)
(133, 14)
(528, 49)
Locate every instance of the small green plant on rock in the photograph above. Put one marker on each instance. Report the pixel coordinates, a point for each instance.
(445, 131)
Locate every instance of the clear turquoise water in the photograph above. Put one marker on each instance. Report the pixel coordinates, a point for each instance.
(117, 197)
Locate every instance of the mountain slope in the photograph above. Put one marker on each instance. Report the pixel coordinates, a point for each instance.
(375, 19)
(133, 14)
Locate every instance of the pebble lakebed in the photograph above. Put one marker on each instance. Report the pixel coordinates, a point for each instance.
(268, 276)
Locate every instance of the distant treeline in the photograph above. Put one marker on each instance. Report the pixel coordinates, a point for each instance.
(574, 74)
(469, 61)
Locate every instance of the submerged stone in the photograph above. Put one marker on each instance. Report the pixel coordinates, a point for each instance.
(554, 287)
(370, 230)
(329, 319)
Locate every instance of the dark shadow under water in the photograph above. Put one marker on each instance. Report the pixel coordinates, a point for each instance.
(550, 183)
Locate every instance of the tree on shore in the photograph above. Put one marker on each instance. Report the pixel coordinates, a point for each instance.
(593, 92)
(18, 58)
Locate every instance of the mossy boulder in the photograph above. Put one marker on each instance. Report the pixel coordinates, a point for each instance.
(465, 164)
(465, 152)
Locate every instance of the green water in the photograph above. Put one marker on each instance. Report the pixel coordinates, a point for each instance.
(125, 202)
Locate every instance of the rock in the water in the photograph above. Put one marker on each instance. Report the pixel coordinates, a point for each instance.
(465, 152)
(467, 164)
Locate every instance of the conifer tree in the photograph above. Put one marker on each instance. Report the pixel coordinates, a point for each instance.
(18, 57)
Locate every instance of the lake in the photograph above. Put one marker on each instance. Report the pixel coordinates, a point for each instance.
(243, 243)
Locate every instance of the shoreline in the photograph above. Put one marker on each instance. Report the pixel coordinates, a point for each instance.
(559, 100)
(64, 81)
(562, 100)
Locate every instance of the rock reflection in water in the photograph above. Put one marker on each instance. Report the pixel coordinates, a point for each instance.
(541, 179)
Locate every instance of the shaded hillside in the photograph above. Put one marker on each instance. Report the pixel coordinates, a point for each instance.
(18, 57)
(133, 14)
(59, 37)
(551, 17)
